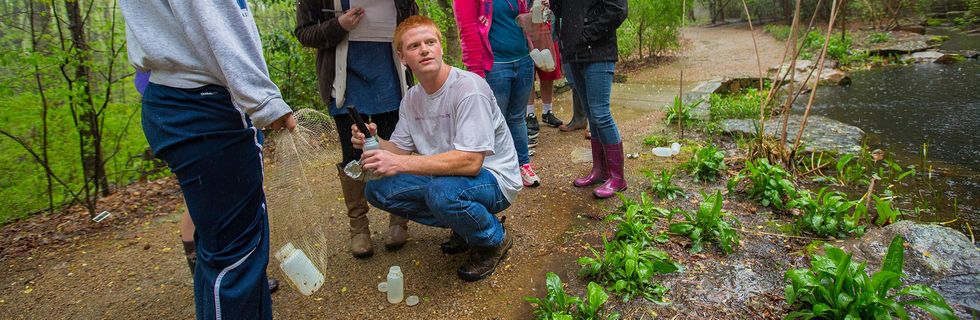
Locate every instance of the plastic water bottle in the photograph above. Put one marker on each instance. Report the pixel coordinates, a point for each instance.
(396, 285)
(537, 12)
(548, 63)
(299, 269)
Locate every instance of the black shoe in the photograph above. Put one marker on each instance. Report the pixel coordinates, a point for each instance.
(532, 126)
(273, 285)
(484, 260)
(532, 142)
(550, 119)
(455, 245)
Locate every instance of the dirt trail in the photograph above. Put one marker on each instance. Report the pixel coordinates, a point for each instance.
(138, 270)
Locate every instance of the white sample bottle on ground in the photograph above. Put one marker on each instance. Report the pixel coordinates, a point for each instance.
(299, 269)
(396, 285)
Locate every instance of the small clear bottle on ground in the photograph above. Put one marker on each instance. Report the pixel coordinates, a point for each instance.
(396, 285)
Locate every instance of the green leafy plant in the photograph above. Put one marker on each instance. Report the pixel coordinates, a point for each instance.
(738, 105)
(708, 224)
(706, 163)
(879, 37)
(851, 170)
(655, 140)
(662, 186)
(887, 213)
(627, 269)
(834, 287)
(829, 214)
(769, 185)
(559, 305)
(635, 219)
(680, 111)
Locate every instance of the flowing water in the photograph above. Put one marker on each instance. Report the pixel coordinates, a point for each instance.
(927, 115)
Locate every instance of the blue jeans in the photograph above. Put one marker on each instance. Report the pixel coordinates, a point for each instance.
(464, 204)
(593, 82)
(511, 83)
(216, 154)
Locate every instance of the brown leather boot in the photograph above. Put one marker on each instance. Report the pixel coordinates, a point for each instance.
(357, 209)
(483, 261)
(397, 232)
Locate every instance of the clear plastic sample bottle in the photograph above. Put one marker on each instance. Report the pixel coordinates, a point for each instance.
(396, 285)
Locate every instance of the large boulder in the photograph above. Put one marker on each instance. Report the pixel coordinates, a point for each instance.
(935, 255)
(821, 133)
(802, 75)
(933, 57)
(903, 44)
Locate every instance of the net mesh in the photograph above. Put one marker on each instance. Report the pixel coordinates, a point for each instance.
(300, 180)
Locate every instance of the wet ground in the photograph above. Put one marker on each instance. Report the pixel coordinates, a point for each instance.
(139, 271)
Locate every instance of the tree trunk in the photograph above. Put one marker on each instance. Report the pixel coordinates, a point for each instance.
(452, 33)
(41, 20)
(90, 135)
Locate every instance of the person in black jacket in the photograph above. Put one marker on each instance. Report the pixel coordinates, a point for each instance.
(356, 66)
(587, 38)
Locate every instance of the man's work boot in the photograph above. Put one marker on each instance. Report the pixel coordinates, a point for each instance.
(397, 232)
(357, 209)
(484, 260)
(190, 252)
(455, 245)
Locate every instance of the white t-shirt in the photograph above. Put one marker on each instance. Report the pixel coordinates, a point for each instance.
(462, 115)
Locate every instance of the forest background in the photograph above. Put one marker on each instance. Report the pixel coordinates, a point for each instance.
(70, 128)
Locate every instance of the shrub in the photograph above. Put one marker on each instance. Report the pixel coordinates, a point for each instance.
(679, 111)
(879, 37)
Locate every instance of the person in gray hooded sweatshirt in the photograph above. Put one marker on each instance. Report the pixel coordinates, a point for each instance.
(208, 97)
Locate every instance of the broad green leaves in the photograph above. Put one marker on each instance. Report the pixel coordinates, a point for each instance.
(708, 224)
(770, 184)
(558, 305)
(834, 287)
(706, 163)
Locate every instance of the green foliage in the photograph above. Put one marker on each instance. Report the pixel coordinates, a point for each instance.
(708, 225)
(662, 186)
(679, 111)
(879, 37)
(627, 269)
(629, 262)
(770, 184)
(737, 106)
(559, 305)
(851, 170)
(635, 219)
(834, 287)
(655, 140)
(887, 213)
(934, 22)
(651, 27)
(706, 163)
(829, 214)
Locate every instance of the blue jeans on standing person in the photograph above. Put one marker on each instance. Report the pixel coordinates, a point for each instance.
(462, 203)
(511, 83)
(216, 154)
(593, 82)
